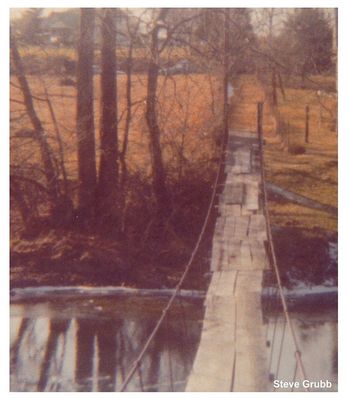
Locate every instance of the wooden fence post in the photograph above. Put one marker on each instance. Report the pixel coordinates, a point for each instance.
(307, 125)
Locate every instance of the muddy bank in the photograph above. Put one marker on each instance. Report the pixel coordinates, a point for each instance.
(306, 256)
(69, 259)
(62, 258)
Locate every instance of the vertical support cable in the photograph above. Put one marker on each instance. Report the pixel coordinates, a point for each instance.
(178, 286)
(280, 350)
(169, 359)
(271, 244)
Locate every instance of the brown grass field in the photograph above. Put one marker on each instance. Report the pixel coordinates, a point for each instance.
(169, 53)
(312, 174)
(187, 110)
(189, 114)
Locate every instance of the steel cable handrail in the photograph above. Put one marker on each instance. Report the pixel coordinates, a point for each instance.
(274, 259)
(179, 284)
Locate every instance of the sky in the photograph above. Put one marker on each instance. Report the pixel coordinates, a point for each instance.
(278, 19)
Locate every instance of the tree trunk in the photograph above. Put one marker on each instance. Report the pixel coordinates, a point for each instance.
(129, 71)
(108, 169)
(17, 194)
(85, 118)
(46, 154)
(123, 153)
(226, 68)
(158, 173)
(274, 88)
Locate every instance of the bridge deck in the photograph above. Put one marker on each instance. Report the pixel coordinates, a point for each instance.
(232, 351)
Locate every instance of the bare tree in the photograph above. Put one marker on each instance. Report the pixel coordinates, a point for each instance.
(108, 169)
(85, 117)
(158, 172)
(39, 133)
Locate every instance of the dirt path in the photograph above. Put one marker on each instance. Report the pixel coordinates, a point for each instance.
(248, 92)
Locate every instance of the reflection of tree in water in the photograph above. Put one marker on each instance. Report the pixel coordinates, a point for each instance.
(105, 332)
(116, 350)
(27, 351)
(17, 343)
(169, 356)
(57, 329)
(98, 352)
(335, 349)
(119, 343)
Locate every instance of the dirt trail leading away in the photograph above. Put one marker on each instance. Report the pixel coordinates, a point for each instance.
(248, 91)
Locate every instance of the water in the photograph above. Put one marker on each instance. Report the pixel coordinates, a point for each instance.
(88, 343)
(316, 334)
(73, 344)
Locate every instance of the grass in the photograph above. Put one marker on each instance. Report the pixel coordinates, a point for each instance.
(169, 54)
(312, 174)
(189, 112)
(187, 115)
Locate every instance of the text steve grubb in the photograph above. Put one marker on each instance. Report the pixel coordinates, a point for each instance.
(321, 384)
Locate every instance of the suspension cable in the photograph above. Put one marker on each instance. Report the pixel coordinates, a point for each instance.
(289, 322)
(179, 284)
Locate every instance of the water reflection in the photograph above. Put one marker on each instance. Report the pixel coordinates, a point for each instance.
(317, 339)
(89, 345)
(70, 344)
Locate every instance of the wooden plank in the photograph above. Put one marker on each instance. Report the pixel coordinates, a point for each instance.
(243, 178)
(228, 169)
(230, 223)
(242, 161)
(213, 366)
(219, 226)
(231, 209)
(242, 134)
(233, 193)
(227, 283)
(204, 383)
(245, 254)
(237, 226)
(232, 346)
(247, 212)
(213, 284)
(224, 264)
(241, 227)
(251, 361)
(255, 160)
(233, 249)
(257, 227)
(251, 365)
(249, 281)
(219, 310)
(259, 255)
(252, 196)
(216, 255)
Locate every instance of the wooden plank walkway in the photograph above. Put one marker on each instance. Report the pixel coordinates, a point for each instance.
(232, 352)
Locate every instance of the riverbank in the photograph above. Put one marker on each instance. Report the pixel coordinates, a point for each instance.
(60, 258)
(147, 259)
